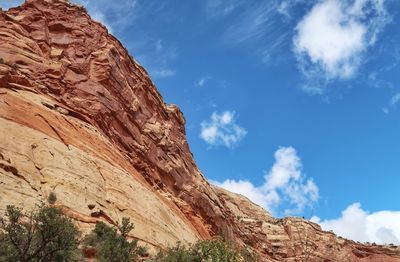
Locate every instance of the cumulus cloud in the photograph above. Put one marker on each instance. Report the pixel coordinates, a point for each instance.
(252, 192)
(222, 129)
(381, 227)
(285, 184)
(332, 38)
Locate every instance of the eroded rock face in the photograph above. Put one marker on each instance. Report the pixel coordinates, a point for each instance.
(80, 117)
(295, 239)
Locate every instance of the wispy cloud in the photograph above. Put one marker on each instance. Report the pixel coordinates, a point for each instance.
(220, 8)
(101, 18)
(156, 56)
(202, 81)
(394, 101)
(285, 184)
(285, 7)
(159, 45)
(222, 129)
(332, 38)
(270, 48)
(116, 17)
(389, 51)
(161, 73)
(251, 24)
(381, 227)
(256, 24)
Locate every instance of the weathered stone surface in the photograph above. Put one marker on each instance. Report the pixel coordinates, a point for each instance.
(295, 239)
(58, 154)
(81, 118)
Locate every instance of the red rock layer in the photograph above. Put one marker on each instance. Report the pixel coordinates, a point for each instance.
(89, 94)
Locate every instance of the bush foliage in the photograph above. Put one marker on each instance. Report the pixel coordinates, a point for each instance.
(204, 251)
(47, 235)
(111, 242)
(42, 235)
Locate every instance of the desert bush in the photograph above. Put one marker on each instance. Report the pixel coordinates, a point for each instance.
(111, 243)
(216, 250)
(204, 251)
(41, 235)
(178, 253)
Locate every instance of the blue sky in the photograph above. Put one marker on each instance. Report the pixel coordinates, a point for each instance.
(295, 104)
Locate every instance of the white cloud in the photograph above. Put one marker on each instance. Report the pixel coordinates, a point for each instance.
(394, 101)
(247, 189)
(284, 184)
(381, 227)
(255, 23)
(222, 130)
(218, 8)
(202, 81)
(161, 73)
(159, 45)
(332, 38)
(285, 7)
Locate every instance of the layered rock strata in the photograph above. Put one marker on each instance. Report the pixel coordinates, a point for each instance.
(81, 118)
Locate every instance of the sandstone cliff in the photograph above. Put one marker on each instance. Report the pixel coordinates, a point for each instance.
(80, 117)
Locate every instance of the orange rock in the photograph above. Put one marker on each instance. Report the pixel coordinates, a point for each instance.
(81, 118)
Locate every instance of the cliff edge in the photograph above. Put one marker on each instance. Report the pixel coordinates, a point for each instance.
(81, 118)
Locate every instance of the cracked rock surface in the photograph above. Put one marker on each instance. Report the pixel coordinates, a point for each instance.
(81, 118)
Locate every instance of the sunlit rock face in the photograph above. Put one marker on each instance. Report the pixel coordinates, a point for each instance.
(81, 118)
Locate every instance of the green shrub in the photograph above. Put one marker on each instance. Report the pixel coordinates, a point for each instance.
(204, 251)
(178, 253)
(42, 235)
(216, 251)
(111, 243)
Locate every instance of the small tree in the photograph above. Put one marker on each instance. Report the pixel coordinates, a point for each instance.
(111, 243)
(42, 235)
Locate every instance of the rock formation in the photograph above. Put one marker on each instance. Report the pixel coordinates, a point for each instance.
(81, 118)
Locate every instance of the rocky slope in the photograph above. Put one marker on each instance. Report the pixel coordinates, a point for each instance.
(81, 118)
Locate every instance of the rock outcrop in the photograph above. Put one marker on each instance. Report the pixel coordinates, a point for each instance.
(81, 118)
